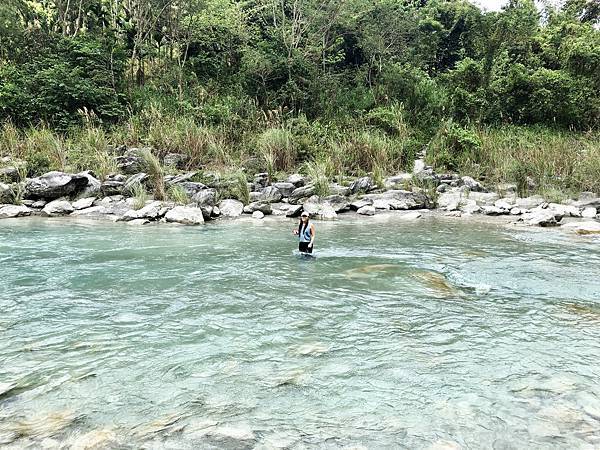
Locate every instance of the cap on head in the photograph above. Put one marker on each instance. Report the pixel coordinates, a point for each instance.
(304, 214)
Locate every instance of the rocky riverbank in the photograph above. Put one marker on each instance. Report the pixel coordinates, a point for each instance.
(83, 195)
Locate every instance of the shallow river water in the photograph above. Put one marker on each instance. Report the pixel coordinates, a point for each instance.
(433, 334)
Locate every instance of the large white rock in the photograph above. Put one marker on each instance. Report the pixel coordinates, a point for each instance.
(542, 217)
(186, 215)
(367, 210)
(589, 212)
(152, 210)
(57, 208)
(10, 211)
(258, 215)
(231, 208)
(84, 203)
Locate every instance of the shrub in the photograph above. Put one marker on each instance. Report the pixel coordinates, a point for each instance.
(454, 146)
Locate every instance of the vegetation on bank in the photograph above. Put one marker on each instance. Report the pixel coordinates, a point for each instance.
(331, 89)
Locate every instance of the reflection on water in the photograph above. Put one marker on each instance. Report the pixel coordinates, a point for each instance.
(397, 335)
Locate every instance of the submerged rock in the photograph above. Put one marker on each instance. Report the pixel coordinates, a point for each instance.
(53, 185)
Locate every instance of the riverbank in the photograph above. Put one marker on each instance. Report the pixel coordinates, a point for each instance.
(410, 196)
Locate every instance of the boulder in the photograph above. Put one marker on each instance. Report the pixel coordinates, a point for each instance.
(10, 174)
(503, 204)
(565, 210)
(261, 180)
(258, 215)
(402, 199)
(589, 212)
(57, 208)
(175, 179)
(11, 211)
(419, 166)
(263, 207)
(302, 192)
(367, 210)
(326, 212)
(361, 203)
(132, 181)
(483, 198)
(472, 184)
(297, 180)
(111, 187)
(529, 202)
(207, 212)
(294, 211)
(336, 189)
(381, 203)
(192, 188)
(285, 188)
(84, 203)
(93, 185)
(38, 204)
(205, 197)
(516, 211)
(541, 217)
(493, 211)
(6, 193)
(185, 215)
(53, 185)
(99, 211)
(397, 181)
(231, 208)
(132, 161)
(337, 202)
(270, 194)
(364, 184)
(151, 211)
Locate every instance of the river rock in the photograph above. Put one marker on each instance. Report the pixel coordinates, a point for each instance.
(294, 211)
(483, 198)
(337, 202)
(302, 192)
(366, 210)
(138, 222)
(453, 214)
(515, 211)
(503, 204)
(10, 174)
(98, 211)
(93, 187)
(53, 185)
(364, 184)
(231, 208)
(83, 203)
(506, 189)
(339, 190)
(270, 194)
(493, 211)
(470, 207)
(589, 212)
(192, 188)
(381, 203)
(263, 207)
(205, 197)
(326, 212)
(135, 180)
(176, 179)
(150, 211)
(284, 188)
(565, 210)
(397, 181)
(297, 180)
(586, 227)
(111, 187)
(258, 215)
(185, 215)
(132, 161)
(358, 204)
(541, 217)
(57, 208)
(418, 166)
(11, 211)
(472, 184)
(529, 202)
(402, 199)
(411, 215)
(6, 193)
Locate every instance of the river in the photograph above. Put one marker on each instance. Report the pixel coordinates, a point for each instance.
(430, 334)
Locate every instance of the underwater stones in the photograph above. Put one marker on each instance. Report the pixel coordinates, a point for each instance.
(57, 208)
(185, 215)
(12, 211)
(231, 208)
(53, 185)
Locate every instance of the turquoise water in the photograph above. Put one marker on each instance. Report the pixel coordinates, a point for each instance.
(398, 335)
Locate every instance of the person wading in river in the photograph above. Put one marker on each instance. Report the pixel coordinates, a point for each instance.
(306, 233)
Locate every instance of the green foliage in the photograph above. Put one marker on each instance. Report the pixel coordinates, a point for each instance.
(320, 172)
(178, 195)
(140, 196)
(454, 146)
(156, 173)
(277, 149)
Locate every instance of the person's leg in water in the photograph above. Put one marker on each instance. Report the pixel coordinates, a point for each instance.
(304, 248)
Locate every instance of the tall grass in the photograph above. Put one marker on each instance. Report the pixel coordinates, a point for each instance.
(178, 195)
(277, 150)
(320, 172)
(155, 172)
(88, 150)
(140, 196)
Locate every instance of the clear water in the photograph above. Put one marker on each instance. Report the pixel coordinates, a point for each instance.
(398, 335)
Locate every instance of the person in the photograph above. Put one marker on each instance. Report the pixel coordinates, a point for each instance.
(306, 234)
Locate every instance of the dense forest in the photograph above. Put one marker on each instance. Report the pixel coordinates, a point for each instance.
(329, 87)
